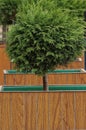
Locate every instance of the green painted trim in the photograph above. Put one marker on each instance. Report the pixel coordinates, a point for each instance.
(68, 87)
(22, 88)
(65, 71)
(40, 88)
(53, 71)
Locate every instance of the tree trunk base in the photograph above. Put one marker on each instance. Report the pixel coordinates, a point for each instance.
(45, 82)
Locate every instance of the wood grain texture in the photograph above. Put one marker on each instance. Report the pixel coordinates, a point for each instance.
(81, 78)
(23, 79)
(55, 117)
(53, 79)
(31, 111)
(68, 111)
(17, 111)
(81, 110)
(71, 78)
(43, 111)
(5, 120)
(4, 63)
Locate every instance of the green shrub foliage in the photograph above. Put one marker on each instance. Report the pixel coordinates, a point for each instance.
(8, 10)
(46, 35)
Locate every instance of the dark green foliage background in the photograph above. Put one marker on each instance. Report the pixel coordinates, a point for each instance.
(46, 36)
(8, 10)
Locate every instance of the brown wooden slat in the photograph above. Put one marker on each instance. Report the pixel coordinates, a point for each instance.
(4, 63)
(21, 79)
(28, 109)
(55, 118)
(72, 78)
(42, 112)
(10, 79)
(81, 110)
(17, 111)
(46, 111)
(31, 107)
(81, 78)
(68, 111)
(5, 115)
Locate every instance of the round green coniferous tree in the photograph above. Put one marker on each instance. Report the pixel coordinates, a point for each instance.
(45, 36)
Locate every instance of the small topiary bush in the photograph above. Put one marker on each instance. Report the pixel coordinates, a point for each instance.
(45, 36)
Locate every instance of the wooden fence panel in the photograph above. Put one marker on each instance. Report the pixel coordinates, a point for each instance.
(43, 111)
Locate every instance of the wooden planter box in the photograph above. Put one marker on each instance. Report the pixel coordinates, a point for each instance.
(68, 76)
(60, 110)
